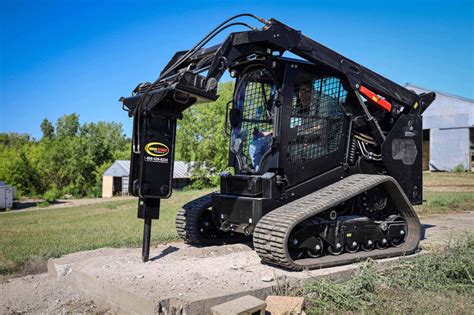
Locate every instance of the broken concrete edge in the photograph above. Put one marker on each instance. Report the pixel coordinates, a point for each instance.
(247, 304)
(58, 271)
(116, 299)
(123, 301)
(50, 266)
(204, 306)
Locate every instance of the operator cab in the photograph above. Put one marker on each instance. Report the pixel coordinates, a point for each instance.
(286, 116)
(287, 125)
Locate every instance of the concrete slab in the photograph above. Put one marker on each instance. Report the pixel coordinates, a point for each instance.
(180, 279)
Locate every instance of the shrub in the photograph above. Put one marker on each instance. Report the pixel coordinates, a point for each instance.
(52, 195)
(42, 204)
(459, 169)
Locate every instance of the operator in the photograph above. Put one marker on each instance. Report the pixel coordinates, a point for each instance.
(310, 124)
(304, 93)
(258, 146)
(317, 120)
(260, 141)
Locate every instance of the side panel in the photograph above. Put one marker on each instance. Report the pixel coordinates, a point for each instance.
(402, 155)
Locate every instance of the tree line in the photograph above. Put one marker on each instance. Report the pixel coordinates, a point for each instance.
(71, 157)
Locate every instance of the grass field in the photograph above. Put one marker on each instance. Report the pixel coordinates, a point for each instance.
(447, 192)
(29, 238)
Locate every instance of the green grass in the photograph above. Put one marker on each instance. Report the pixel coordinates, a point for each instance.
(440, 282)
(443, 202)
(29, 238)
(447, 192)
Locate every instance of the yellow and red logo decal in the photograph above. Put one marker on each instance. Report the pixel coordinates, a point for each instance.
(157, 149)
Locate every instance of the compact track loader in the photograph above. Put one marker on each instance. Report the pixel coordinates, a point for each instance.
(327, 153)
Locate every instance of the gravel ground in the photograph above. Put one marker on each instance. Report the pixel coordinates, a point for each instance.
(43, 294)
(175, 270)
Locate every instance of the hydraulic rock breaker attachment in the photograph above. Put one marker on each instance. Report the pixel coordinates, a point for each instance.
(151, 169)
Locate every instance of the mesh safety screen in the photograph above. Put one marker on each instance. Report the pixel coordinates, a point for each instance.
(317, 115)
(251, 138)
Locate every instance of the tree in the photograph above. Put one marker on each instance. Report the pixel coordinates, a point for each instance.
(201, 138)
(47, 129)
(67, 125)
(72, 162)
(13, 139)
(18, 170)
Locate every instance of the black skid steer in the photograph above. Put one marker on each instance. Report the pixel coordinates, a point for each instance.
(327, 153)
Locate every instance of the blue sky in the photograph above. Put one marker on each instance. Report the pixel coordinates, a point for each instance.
(60, 57)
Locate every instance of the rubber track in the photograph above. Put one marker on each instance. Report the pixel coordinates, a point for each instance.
(187, 220)
(187, 225)
(270, 237)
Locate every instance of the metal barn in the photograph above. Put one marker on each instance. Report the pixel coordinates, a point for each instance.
(115, 178)
(448, 131)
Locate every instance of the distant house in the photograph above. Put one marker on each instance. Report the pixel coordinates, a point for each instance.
(448, 131)
(115, 178)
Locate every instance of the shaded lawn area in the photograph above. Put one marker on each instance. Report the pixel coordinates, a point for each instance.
(28, 239)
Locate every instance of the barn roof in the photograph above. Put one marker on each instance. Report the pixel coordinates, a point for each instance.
(121, 168)
(448, 111)
(181, 170)
(462, 98)
(118, 169)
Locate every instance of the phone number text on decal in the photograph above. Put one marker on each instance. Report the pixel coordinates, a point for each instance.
(156, 159)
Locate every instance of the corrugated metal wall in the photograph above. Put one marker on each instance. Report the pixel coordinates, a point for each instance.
(448, 119)
(449, 148)
(125, 186)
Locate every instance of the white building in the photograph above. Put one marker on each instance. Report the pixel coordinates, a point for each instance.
(448, 131)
